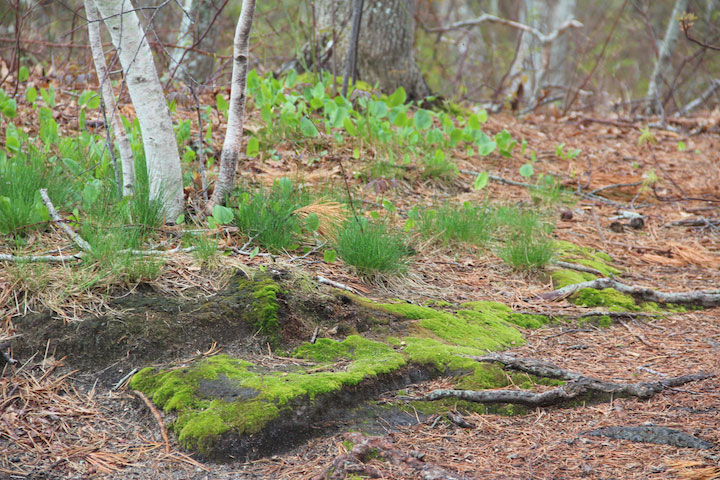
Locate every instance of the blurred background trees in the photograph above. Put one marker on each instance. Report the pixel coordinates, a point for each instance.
(607, 64)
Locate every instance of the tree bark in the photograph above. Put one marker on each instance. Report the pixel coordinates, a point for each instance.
(195, 30)
(663, 61)
(126, 156)
(540, 65)
(233, 135)
(161, 151)
(385, 51)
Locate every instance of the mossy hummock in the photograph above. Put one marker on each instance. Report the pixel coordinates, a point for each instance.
(221, 396)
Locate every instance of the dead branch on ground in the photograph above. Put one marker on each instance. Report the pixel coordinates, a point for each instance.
(577, 386)
(704, 298)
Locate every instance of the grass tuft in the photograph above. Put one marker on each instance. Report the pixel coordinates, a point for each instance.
(528, 245)
(469, 224)
(371, 247)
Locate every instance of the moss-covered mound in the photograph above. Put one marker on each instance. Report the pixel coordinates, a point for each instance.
(230, 407)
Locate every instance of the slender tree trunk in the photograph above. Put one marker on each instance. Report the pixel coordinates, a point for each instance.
(161, 151)
(663, 61)
(385, 50)
(540, 66)
(195, 29)
(233, 135)
(126, 156)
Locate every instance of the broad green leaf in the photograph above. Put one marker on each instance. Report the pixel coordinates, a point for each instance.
(481, 181)
(180, 219)
(329, 256)
(9, 108)
(221, 103)
(398, 97)
(378, 109)
(422, 119)
(254, 252)
(526, 170)
(350, 126)
(253, 147)
(308, 128)
(487, 148)
(222, 215)
(31, 95)
(23, 74)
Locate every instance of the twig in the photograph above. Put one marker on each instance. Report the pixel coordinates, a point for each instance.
(578, 267)
(614, 185)
(501, 180)
(707, 298)
(332, 283)
(124, 379)
(4, 257)
(158, 418)
(56, 218)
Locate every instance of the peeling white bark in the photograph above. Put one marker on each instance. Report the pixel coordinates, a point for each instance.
(126, 156)
(663, 61)
(233, 135)
(161, 151)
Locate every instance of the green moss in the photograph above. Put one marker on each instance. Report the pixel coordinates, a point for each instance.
(607, 297)
(263, 314)
(220, 394)
(563, 278)
(586, 256)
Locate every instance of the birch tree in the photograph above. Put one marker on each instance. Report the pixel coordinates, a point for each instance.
(662, 64)
(195, 30)
(236, 112)
(126, 156)
(542, 60)
(161, 151)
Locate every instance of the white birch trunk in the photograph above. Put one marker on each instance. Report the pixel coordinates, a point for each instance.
(126, 156)
(663, 61)
(161, 151)
(196, 20)
(233, 136)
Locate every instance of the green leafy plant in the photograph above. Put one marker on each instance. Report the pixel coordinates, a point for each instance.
(21, 178)
(566, 155)
(371, 247)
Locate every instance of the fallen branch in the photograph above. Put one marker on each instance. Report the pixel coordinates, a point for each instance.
(578, 267)
(577, 386)
(701, 100)
(653, 434)
(707, 298)
(540, 368)
(504, 181)
(333, 283)
(4, 257)
(59, 221)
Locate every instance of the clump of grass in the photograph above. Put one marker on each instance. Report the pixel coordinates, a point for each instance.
(528, 245)
(371, 247)
(21, 178)
(439, 167)
(449, 224)
(269, 216)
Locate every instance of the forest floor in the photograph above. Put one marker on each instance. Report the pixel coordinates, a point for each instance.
(70, 430)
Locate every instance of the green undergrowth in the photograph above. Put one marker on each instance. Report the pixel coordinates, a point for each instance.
(220, 394)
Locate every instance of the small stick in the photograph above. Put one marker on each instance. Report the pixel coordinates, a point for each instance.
(124, 379)
(578, 267)
(158, 418)
(56, 218)
(332, 283)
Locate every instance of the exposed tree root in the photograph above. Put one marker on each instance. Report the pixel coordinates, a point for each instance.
(653, 434)
(577, 385)
(707, 298)
(365, 449)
